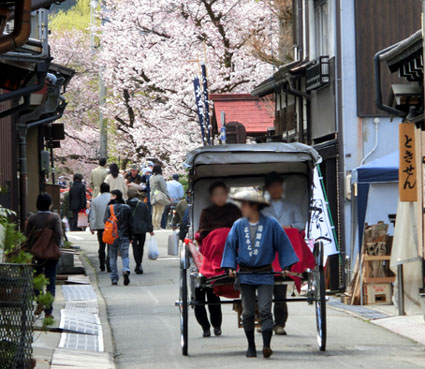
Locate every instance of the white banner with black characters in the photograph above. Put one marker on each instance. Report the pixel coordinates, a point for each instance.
(320, 220)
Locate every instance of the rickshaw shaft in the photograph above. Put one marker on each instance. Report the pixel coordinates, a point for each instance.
(238, 301)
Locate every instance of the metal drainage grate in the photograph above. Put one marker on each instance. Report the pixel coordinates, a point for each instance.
(86, 342)
(78, 293)
(363, 311)
(82, 306)
(80, 322)
(78, 279)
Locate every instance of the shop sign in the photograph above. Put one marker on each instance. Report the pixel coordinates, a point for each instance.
(407, 171)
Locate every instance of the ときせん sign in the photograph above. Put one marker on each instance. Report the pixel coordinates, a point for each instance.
(407, 170)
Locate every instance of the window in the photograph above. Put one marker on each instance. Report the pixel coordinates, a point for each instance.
(321, 27)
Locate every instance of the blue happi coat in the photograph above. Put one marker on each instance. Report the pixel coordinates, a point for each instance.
(270, 238)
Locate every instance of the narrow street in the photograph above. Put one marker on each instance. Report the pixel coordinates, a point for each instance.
(145, 326)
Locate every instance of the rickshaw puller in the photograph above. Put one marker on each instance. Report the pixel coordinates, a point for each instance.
(252, 244)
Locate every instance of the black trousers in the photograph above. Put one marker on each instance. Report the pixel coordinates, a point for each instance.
(74, 221)
(138, 247)
(48, 268)
(202, 295)
(280, 310)
(103, 251)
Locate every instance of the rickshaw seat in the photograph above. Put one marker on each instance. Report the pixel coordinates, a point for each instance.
(305, 255)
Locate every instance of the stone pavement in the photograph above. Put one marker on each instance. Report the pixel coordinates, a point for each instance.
(145, 325)
(385, 316)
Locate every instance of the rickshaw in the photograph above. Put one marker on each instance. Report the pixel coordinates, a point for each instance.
(245, 165)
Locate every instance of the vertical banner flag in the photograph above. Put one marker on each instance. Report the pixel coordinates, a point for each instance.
(321, 224)
(199, 106)
(206, 103)
(407, 170)
(223, 128)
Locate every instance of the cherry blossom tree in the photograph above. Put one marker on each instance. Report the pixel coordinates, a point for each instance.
(151, 50)
(79, 151)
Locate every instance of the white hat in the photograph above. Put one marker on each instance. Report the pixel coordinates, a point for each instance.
(250, 196)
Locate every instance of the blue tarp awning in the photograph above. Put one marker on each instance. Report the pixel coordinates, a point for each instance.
(382, 170)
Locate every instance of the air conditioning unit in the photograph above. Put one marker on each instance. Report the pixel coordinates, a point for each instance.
(317, 73)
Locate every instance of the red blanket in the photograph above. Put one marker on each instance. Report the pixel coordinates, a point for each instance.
(208, 258)
(212, 249)
(305, 256)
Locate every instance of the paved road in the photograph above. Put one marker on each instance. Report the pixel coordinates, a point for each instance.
(145, 325)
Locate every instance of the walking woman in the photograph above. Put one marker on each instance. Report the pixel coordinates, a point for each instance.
(45, 219)
(252, 243)
(116, 181)
(220, 214)
(142, 223)
(159, 195)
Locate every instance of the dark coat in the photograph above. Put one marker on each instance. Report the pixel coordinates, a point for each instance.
(214, 217)
(125, 222)
(130, 179)
(77, 196)
(142, 221)
(42, 220)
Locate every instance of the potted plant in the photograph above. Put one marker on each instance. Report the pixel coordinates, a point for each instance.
(17, 285)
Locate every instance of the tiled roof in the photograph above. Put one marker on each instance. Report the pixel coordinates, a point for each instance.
(255, 114)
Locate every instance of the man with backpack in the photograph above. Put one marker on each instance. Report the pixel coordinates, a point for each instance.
(118, 233)
(142, 223)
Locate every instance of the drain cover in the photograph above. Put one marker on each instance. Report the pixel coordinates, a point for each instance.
(82, 306)
(363, 311)
(78, 279)
(78, 293)
(85, 342)
(80, 322)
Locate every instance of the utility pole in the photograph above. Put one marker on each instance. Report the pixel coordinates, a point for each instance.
(103, 123)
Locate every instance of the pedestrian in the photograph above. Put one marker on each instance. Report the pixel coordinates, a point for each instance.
(220, 214)
(181, 208)
(133, 178)
(176, 191)
(142, 223)
(146, 187)
(288, 216)
(96, 217)
(44, 219)
(97, 177)
(159, 195)
(116, 181)
(122, 212)
(252, 243)
(77, 200)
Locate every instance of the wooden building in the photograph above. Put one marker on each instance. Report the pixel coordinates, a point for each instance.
(326, 97)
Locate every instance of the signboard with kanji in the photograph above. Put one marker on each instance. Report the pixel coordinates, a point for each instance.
(407, 171)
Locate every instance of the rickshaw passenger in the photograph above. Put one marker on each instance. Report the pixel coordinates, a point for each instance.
(252, 243)
(220, 214)
(288, 216)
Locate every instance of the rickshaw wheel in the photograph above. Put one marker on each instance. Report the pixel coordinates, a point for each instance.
(320, 296)
(320, 306)
(184, 317)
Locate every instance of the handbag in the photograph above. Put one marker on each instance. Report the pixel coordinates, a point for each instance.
(45, 246)
(160, 198)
